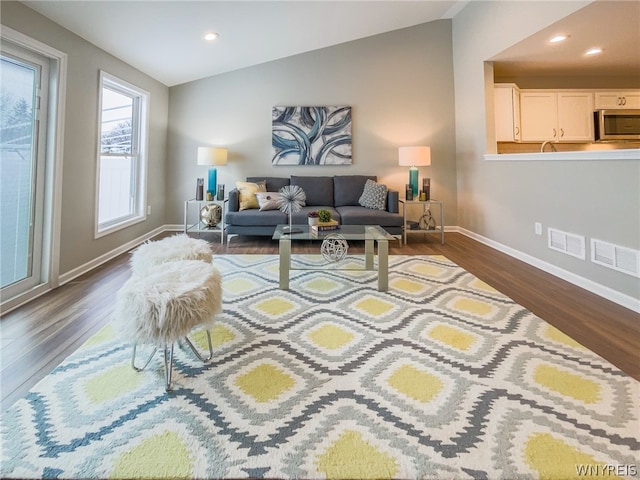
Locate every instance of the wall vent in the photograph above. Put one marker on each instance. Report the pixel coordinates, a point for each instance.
(568, 243)
(619, 258)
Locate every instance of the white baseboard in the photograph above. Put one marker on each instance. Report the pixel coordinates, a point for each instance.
(593, 287)
(104, 258)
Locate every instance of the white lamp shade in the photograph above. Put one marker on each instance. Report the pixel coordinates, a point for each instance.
(414, 156)
(212, 156)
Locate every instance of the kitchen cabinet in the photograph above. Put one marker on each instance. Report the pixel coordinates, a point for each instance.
(556, 115)
(629, 99)
(507, 112)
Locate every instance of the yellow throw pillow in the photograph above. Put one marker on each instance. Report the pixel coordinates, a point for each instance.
(248, 191)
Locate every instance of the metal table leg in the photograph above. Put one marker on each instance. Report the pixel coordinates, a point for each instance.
(383, 265)
(285, 262)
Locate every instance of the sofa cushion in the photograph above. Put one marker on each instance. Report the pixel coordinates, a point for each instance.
(273, 183)
(374, 196)
(319, 190)
(347, 189)
(255, 217)
(248, 191)
(366, 216)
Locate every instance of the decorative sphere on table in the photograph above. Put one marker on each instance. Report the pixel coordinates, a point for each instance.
(334, 247)
(211, 215)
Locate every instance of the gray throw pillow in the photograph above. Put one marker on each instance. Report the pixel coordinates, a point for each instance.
(374, 196)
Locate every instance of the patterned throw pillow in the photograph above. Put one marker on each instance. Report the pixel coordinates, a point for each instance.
(268, 200)
(248, 191)
(374, 196)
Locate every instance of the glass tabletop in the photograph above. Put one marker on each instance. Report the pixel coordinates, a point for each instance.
(349, 232)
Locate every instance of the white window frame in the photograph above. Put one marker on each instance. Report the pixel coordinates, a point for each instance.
(140, 134)
(50, 272)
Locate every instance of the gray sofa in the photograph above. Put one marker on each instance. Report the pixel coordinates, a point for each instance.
(339, 194)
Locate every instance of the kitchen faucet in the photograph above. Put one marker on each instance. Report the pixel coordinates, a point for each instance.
(544, 144)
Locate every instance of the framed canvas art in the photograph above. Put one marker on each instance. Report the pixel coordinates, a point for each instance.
(311, 135)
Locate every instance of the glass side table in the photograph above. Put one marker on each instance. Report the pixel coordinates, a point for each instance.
(194, 224)
(426, 222)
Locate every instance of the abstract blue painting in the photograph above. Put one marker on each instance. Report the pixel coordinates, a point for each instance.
(311, 135)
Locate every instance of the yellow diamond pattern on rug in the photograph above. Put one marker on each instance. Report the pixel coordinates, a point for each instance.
(330, 336)
(373, 306)
(416, 384)
(161, 456)
(275, 306)
(568, 384)
(552, 458)
(440, 377)
(265, 383)
(352, 457)
(472, 306)
(112, 383)
(452, 337)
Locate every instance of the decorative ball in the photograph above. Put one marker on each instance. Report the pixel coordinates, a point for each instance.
(211, 215)
(427, 222)
(334, 247)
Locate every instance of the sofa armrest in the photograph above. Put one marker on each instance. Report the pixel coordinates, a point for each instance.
(392, 201)
(234, 201)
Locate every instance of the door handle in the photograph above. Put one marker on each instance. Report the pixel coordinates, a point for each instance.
(561, 132)
(555, 133)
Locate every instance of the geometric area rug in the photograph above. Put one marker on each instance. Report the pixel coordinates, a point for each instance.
(441, 377)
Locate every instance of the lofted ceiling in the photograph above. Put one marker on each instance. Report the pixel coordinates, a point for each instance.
(164, 38)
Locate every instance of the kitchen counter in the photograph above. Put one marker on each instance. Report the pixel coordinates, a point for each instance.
(620, 154)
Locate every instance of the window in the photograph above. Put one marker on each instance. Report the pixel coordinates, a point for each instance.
(121, 156)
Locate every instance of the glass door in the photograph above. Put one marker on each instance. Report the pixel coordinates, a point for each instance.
(22, 157)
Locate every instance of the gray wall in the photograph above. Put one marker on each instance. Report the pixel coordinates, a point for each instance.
(80, 141)
(502, 200)
(400, 88)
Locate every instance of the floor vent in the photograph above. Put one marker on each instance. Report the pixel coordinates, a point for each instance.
(619, 258)
(568, 243)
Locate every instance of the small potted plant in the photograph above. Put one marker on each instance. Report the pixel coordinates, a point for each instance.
(313, 218)
(324, 216)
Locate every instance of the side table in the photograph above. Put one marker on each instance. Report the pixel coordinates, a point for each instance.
(198, 226)
(426, 207)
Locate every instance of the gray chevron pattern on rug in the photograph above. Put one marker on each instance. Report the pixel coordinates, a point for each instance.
(441, 377)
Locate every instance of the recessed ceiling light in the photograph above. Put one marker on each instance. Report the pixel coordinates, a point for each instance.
(559, 38)
(211, 36)
(594, 51)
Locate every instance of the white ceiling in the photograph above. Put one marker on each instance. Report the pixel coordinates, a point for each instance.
(613, 26)
(165, 38)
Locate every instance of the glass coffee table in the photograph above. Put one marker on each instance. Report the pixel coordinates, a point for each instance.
(370, 234)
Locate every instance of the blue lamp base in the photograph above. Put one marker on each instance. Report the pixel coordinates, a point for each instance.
(413, 180)
(213, 179)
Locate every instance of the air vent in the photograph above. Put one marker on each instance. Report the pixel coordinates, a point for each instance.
(619, 258)
(568, 243)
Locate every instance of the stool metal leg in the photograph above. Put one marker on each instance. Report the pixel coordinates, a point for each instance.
(195, 350)
(133, 358)
(168, 365)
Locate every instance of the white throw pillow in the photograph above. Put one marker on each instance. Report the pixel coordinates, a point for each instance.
(267, 200)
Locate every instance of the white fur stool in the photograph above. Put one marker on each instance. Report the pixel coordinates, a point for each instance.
(169, 249)
(165, 303)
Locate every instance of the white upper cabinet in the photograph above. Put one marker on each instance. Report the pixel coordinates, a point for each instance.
(560, 116)
(618, 99)
(507, 112)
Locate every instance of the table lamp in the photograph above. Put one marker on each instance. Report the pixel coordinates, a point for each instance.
(213, 156)
(414, 157)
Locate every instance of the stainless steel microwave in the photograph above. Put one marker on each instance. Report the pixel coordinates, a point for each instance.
(616, 125)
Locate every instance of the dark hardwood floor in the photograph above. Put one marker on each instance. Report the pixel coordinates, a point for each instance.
(36, 337)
